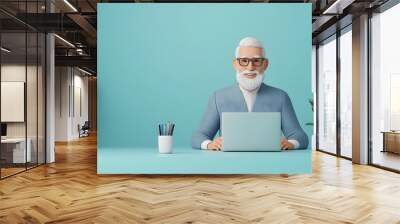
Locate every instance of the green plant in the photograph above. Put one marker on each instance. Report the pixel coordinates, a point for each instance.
(311, 101)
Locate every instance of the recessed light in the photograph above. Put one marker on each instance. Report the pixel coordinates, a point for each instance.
(5, 50)
(64, 40)
(84, 71)
(70, 5)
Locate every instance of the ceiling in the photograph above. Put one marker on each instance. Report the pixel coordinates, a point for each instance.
(76, 22)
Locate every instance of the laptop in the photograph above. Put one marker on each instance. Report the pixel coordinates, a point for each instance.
(251, 131)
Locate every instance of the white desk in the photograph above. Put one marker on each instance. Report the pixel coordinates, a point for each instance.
(19, 149)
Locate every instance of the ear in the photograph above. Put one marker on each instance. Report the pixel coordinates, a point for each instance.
(234, 64)
(266, 63)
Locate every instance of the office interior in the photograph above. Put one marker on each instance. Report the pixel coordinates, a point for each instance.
(49, 73)
(33, 63)
(334, 61)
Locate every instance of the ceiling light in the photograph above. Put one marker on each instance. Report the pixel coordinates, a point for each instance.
(65, 41)
(338, 6)
(70, 5)
(79, 51)
(84, 71)
(5, 50)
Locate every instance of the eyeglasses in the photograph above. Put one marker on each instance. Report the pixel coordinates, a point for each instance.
(256, 61)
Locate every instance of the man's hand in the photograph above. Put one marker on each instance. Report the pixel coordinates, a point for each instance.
(286, 145)
(215, 145)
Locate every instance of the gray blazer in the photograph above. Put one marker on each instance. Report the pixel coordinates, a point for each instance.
(231, 99)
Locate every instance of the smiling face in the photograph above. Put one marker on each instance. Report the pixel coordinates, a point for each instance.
(252, 65)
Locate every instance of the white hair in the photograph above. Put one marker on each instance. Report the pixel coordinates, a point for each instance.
(249, 42)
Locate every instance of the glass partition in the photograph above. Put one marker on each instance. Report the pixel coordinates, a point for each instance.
(22, 77)
(14, 153)
(327, 95)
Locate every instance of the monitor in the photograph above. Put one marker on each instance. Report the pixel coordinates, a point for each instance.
(3, 129)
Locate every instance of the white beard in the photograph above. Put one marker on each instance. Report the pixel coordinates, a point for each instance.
(249, 84)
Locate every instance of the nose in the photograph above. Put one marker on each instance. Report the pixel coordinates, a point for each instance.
(250, 66)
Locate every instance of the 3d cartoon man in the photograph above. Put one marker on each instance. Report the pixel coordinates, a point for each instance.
(250, 94)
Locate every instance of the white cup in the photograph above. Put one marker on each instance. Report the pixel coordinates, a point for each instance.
(165, 143)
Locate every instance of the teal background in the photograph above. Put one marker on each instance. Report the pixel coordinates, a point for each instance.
(147, 160)
(161, 62)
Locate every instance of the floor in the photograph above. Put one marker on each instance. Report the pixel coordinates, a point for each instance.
(70, 191)
(5, 172)
(10, 171)
(387, 159)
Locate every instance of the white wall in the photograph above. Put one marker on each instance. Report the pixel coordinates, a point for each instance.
(80, 109)
(15, 72)
(70, 83)
(62, 82)
(34, 126)
(12, 100)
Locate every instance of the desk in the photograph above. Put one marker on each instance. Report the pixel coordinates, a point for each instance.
(192, 161)
(391, 141)
(17, 151)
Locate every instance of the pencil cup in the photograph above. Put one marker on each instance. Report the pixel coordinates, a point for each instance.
(165, 143)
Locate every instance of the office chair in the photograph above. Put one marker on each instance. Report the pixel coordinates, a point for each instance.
(84, 130)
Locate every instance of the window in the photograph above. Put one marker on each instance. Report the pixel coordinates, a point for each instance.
(327, 95)
(385, 89)
(346, 92)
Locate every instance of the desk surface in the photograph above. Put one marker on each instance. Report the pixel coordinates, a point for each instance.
(390, 132)
(13, 140)
(192, 161)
